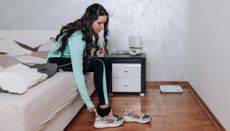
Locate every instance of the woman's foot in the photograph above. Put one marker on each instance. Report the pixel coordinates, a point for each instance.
(110, 120)
(134, 115)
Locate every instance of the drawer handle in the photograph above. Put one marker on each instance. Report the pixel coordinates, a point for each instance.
(126, 70)
(126, 85)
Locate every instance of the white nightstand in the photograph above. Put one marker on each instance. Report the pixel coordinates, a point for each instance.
(128, 73)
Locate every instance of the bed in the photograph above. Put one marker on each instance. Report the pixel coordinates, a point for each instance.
(50, 105)
(47, 106)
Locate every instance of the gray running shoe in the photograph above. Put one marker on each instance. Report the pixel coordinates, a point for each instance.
(106, 122)
(136, 118)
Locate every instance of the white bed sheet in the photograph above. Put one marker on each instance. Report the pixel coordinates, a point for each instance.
(34, 110)
(66, 115)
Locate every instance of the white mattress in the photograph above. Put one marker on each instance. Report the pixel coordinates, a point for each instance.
(35, 109)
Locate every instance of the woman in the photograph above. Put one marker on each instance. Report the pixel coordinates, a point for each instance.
(76, 50)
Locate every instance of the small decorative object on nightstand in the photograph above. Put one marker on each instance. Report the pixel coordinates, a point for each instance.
(128, 73)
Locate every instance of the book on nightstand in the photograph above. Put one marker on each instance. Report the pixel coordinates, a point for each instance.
(170, 89)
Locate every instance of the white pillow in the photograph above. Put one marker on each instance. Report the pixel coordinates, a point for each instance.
(47, 46)
(30, 59)
(12, 48)
(1, 68)
(22, 76)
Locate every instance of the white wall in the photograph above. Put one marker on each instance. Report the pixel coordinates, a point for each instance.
(163, 25)
(210, 55)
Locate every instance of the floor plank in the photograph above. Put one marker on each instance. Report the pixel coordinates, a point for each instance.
(170, 112)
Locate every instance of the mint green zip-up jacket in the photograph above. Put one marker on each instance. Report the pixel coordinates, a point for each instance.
(74, 50)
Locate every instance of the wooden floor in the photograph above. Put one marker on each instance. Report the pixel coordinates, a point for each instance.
(170, 112)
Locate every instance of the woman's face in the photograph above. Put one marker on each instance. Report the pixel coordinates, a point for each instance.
(98, 24)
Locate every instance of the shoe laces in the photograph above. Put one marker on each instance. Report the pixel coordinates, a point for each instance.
(107, 119)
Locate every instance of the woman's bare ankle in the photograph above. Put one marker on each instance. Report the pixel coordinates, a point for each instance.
(111, 114)
(104, 106)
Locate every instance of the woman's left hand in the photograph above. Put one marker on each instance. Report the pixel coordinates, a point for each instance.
(101, 50)
(94, 110)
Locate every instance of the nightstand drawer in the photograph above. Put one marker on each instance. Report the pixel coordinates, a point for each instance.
(126, 70)
(126, 85)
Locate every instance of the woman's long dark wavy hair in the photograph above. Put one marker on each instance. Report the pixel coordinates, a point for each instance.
(85, 26)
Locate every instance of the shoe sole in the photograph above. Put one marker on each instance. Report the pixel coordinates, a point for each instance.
(138, 121)
(108, 126)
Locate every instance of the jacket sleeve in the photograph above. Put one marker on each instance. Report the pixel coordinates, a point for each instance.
(76, 47)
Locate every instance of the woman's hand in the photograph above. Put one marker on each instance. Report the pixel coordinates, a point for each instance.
(101, 50)
(94, 110)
